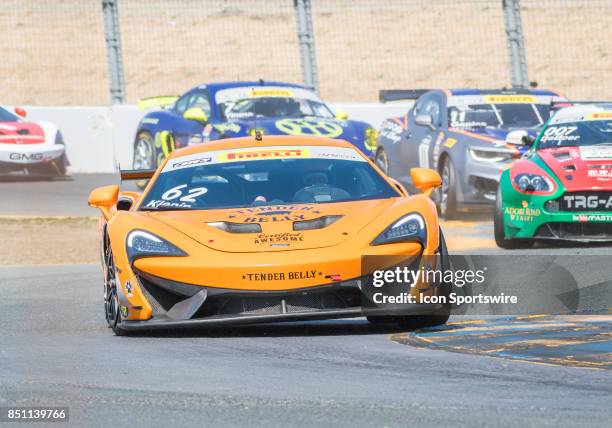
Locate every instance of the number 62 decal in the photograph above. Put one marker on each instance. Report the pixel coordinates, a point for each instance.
(177, 192)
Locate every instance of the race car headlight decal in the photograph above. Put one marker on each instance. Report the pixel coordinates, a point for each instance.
(144, 244)
(532, 183)
(370, 137)
(489, 155)
(411, 227)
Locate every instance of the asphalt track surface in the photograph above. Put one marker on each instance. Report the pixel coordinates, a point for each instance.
(56, 350)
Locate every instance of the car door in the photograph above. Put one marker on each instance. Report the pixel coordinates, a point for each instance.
(416, 150)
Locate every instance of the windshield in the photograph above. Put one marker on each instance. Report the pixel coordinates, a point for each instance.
(498, 115)
(265, 176)
(498, 110)
(270, 102)
(581, 133)
(6, 116)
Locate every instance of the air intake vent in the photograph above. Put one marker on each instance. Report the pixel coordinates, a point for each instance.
(230, 227)
(316, 223)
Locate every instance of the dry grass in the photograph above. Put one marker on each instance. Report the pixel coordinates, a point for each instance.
(53, 240)
(362, 46)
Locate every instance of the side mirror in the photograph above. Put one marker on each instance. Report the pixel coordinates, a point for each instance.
(424, 120)
(341, 114)
(517, 138)
(104, 198)
(20, 112)
(528, 140)
(425, 179)
(195, 113)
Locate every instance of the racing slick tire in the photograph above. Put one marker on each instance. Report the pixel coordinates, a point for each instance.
(144, 154)
(447, 201)
(498, 229)
(413, 322)
(111, 299)
(382, 161)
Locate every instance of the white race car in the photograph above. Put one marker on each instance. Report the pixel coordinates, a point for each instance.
(30, 148)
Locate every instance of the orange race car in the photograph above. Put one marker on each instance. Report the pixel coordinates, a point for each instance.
(260, 229)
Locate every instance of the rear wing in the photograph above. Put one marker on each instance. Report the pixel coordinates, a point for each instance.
(163, 101)
(388, 95)
(136, 174)
(558, 105)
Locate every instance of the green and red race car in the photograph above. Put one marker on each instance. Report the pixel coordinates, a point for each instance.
(562, 188)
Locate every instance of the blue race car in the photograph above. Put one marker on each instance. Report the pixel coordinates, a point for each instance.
(237, 109)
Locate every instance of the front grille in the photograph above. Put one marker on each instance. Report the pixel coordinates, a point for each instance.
(297, 303)
(568, 230)
(484, 185)
(586, 202)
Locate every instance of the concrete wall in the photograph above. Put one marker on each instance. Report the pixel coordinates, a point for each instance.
(99, 139)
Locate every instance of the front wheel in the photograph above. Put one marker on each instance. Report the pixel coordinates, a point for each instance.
(447, 203)
(498, 228)
(111, 298)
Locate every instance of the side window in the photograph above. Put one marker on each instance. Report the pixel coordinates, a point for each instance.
(419, 105)
(199, 99)
(433, 108)
(181, 104)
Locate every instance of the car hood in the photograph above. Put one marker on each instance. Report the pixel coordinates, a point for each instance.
(580, 168)
(21, 133)
(276, 223)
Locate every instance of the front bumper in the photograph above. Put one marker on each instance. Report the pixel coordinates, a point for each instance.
(479, 186)
(183, 305)
(32, 159)
(525, 218)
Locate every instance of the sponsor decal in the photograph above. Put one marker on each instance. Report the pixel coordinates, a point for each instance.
(587, 202)
(26, 156)
(600, 172)
(510, 99)
(264, 154)
(151, 120)
(192, 162)
(278, 238)
(281, 276)
(227, 127)
(320, 128)
(523, 214)
(273, 213)
(596, 153)
(599, 116)
(128, 289)
(450, 142)
(124, 311)
(392, 131)
(585, 218)
(271, 92)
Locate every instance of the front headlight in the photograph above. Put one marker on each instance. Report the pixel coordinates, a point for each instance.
(411, 227)
(532, 183)
(144, 244)
(370, 137)
(489, 156)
